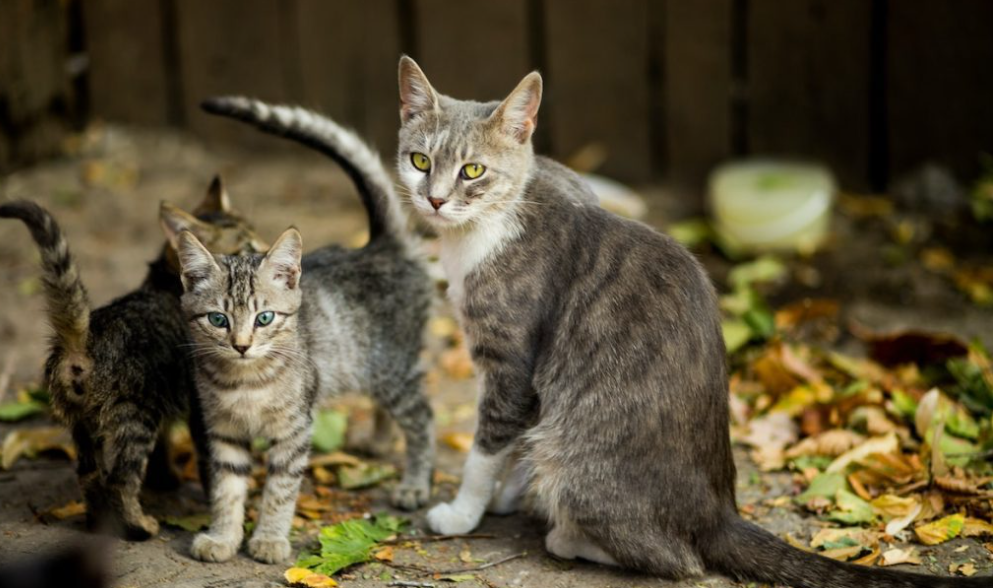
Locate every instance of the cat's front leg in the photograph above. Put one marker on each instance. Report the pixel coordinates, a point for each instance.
(287, 464)
(231, 465)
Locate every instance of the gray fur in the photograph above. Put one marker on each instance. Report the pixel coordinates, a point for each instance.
(599, 346)
(120, 374)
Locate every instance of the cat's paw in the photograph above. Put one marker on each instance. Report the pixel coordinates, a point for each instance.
(141, 528)
(445, 519)
(269, 549)
(207, 547)
(411, 495)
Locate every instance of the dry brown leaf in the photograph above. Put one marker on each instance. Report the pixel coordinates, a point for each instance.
(443, 327)
(384, 554)
(771, 372)
(458, 441)
(323, 475)
(31, 442)
(869, 559)
(465, 556)
(73, 509)
(457, 363)
(961, 486)
(842, 553)
(334, 459)
(896, 556)
(829, 443)
(966, 569)
(976, 528)
(883, 445)
(792, 315)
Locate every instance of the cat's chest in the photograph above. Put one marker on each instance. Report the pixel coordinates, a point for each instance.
(464, 253)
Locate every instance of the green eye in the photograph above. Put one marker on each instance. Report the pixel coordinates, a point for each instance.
(264, 318)
(420, 161)
(471, 171)
(218, 320)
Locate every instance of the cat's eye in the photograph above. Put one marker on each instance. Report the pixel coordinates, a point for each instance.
(421, 161)
(264, 318)
(218, 319)
(471, 171)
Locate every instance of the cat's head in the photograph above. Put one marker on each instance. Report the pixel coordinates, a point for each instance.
(241, 307)
(461, 161)
(219, 227)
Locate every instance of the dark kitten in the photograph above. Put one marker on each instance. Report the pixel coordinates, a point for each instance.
(120, 373)
(599, 346)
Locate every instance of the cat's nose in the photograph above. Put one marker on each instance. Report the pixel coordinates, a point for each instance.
(241, 348)
(436, 202)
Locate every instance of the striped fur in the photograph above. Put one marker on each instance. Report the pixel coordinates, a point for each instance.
(118, 374)
(318, 132)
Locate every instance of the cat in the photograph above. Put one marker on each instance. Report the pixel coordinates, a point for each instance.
(119, 374)
(604, 388)
(274, 333)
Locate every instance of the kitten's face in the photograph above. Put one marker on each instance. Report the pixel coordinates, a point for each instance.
(458, 160)
(242, 308)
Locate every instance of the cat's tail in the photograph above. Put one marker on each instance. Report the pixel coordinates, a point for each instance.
(68, 303)
(748, 552)
(362, 164)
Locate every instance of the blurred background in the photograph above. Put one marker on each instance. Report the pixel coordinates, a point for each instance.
(663, 89)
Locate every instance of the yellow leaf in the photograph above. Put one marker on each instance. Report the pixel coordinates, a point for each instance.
(876, 445)
(457, 363)
(976, 527)
(384, 554)
(458, 441)
(891, 505)
(942, 530)
(465, 556)
(443, 327)
(31, 442)
(305, 577)
(74, 508)
(843, 553)
(895, 556)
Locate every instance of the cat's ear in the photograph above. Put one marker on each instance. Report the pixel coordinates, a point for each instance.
(517, 115)
(216, 200)
(196, 264)
(416, 94)
(282, 262)
(174, 221)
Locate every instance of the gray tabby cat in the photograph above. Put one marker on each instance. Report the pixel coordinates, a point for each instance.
(275, 332)
(120, 374)
(599, 347)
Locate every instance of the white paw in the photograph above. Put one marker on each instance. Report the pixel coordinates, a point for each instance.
(207, 547)
(411, 496)
(269, 549)
(447, 520)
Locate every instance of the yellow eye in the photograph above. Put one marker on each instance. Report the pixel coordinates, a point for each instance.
(471, 171)
(420, 161)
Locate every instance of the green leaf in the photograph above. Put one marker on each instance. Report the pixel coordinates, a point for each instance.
(736, 334)
(329, 430)
(764, 269)
(351, 542)
(191, 523)
(761, 321)
(16, 411)
(364, 475)
(824, 485)
(690, 233)
(904, 404)
(851, 510)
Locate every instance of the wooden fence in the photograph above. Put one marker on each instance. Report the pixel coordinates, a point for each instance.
(667, 87)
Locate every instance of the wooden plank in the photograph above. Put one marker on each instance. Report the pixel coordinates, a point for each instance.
(808, 83)
(232, 47)
(598, 87)
(348, 55)
(940, 90)
(127, 64)
(473, 49)
(697, 86)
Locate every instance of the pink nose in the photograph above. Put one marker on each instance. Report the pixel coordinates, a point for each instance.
(436, 202)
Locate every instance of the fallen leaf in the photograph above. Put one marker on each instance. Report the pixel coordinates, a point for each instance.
(843, 553)
(825, 485)
(73, 509)
(351, 542)
(30, 442)
(792, 315)
(364, 475)
(850, 509)
(336, 458)
(384, 554)
(457, 363)
(876, 445)
(829, 443)
(967, 569)
(443, 327)
(465, 556)
(329, 430)
(458, 441)
(941, 530)
(458, 578)
(20, 410)
(307, 578)
(920, 347)
(191, 523)
(974, 527)
(896, 556)
(890, 505)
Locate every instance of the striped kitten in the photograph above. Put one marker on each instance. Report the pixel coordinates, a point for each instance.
(275, 332)
(119, 374)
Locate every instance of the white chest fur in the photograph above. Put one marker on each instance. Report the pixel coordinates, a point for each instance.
(464, 251)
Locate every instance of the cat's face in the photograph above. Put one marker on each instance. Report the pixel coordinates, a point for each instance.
(214, 222)
(460, 161)
(241, 308)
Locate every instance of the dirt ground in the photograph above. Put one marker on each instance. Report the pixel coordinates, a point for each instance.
(106, 196)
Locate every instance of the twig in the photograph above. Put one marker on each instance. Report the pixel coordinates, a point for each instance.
(485, 565)
(411, 584)
(435, 538)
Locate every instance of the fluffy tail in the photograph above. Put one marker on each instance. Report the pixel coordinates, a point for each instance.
(68, 304)
(360, 162)
(746, 551)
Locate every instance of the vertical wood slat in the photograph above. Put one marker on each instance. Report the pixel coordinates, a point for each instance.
(127, 65)
(232, 47)
(348, 54)
(808, 79)
(940, 89)
(473, 49)
(697, 86)
(597, 56)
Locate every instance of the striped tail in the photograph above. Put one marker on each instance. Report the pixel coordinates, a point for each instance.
(358, 159)
(68, 304)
